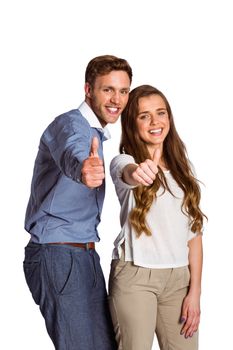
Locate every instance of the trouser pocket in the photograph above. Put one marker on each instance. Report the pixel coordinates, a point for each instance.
(32, 270)
(61, 268)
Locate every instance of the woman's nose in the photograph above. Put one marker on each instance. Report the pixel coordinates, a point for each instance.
(154, 120)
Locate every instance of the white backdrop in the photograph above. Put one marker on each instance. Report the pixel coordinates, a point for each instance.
(183, 47)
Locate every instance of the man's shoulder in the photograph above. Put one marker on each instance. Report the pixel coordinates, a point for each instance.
(73, 116)
(72, 119)
(67, 124)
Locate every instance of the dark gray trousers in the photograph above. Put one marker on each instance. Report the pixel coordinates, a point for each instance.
(68, 285)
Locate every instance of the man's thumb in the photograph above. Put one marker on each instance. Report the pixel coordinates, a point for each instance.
(94, 147)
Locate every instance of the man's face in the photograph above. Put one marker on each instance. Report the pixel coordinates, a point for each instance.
(109, 95)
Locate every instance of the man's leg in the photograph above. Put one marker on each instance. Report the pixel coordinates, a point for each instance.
(63, 282)
(104, 336)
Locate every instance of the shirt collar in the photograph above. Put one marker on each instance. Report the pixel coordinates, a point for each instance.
(90, 116)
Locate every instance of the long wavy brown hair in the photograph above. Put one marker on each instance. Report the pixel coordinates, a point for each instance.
(175, 158)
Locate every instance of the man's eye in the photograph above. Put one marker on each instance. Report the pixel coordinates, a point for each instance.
(124, 92)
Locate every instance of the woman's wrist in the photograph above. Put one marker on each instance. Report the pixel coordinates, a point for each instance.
(195, 290)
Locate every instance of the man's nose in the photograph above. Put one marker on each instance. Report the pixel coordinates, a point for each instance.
(115, 98)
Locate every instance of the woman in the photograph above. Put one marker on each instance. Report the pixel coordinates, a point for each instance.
(155, 279)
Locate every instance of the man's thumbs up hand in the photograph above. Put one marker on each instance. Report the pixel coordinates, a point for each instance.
(94, 147)
(93, 169)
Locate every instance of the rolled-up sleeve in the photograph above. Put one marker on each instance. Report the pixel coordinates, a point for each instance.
(117, 166)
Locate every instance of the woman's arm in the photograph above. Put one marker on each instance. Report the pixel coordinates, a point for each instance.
(123, 169)
(144, 173)
(128, 174)
(191, 304)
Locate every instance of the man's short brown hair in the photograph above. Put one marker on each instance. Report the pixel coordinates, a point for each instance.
(102, 65)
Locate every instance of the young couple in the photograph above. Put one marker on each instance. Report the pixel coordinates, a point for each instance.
(155, 279)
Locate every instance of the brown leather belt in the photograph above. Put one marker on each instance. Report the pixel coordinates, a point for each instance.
(86, 246)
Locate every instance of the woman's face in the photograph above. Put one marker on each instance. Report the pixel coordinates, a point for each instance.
(152, 121)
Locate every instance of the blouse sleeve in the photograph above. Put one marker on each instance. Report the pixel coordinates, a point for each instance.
(116, 169)
(117, 166)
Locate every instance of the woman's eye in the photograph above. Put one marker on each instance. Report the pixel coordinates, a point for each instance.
(144, 117)
(162, 113)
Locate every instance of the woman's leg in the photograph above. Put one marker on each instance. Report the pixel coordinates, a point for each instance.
(133, 306)
(169, 312)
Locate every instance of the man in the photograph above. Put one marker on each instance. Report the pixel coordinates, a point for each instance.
(61, 266)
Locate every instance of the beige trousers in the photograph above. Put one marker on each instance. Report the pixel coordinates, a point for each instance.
(146, 301)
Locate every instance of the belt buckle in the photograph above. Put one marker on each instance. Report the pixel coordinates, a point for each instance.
(87, 246)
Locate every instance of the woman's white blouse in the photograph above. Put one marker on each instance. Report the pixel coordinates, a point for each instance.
(168, 245)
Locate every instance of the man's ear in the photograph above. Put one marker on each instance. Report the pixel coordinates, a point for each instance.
(87, 89)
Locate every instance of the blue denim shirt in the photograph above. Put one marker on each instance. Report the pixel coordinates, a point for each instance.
(61, 208)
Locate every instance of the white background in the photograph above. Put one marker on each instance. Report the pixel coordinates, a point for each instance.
(183, 48)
